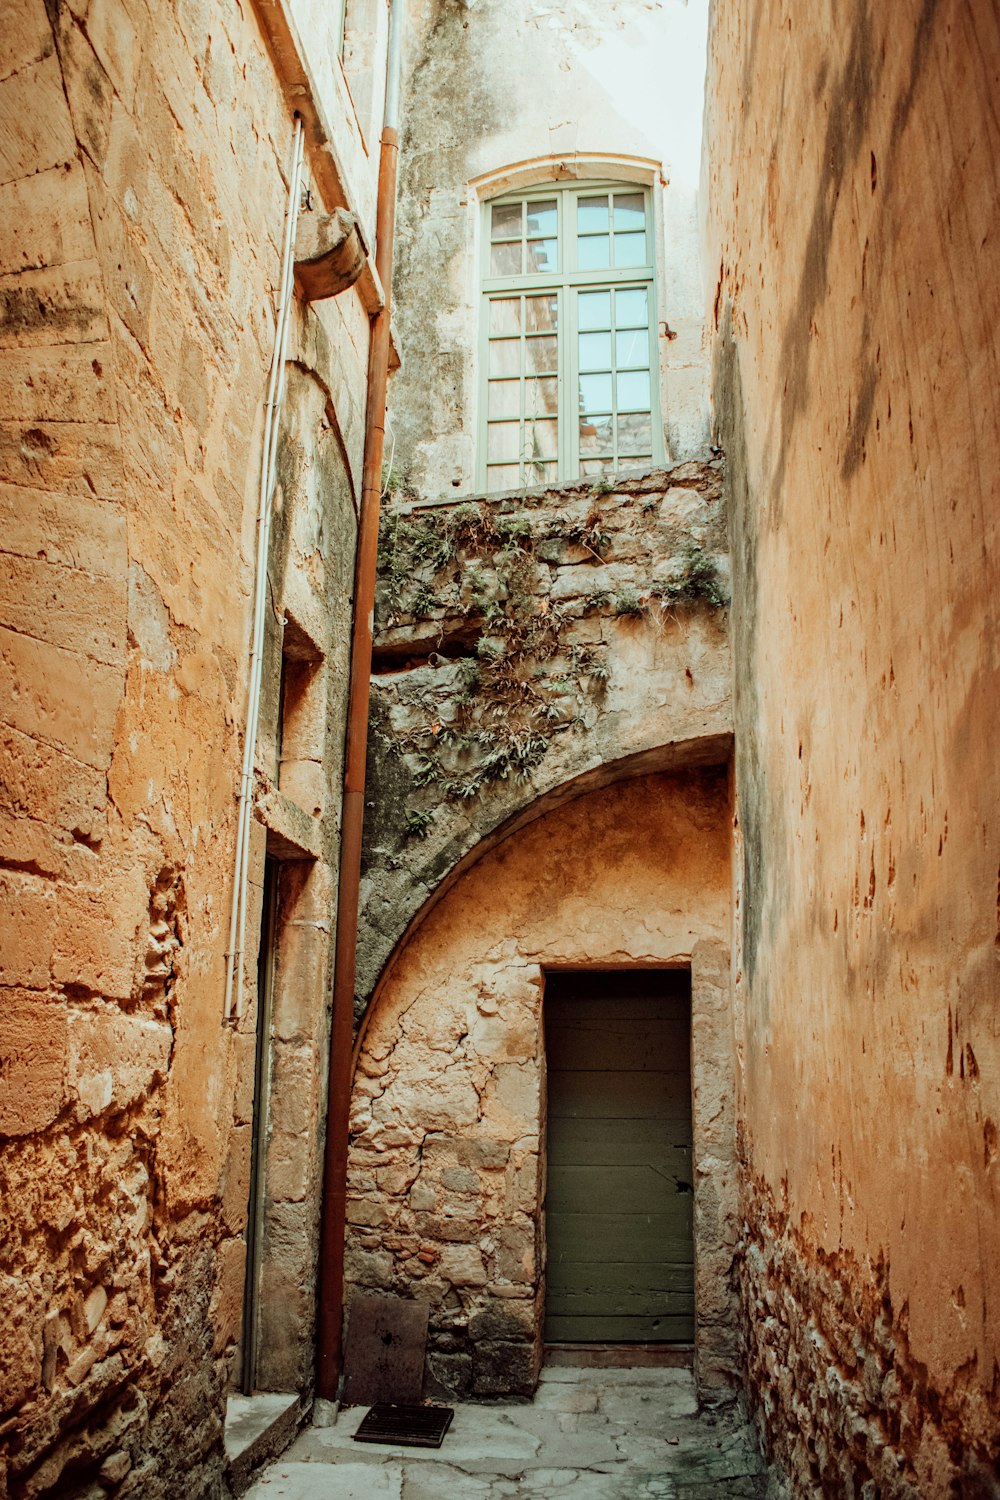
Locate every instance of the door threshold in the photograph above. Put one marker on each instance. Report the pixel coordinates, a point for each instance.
(621, 1356)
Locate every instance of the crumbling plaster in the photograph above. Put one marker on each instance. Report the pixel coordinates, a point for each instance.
(511, 92)
(851, 182)
(447, 1158)
(665, 701)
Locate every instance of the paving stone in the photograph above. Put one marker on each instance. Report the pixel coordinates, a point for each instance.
(634, 1436)
(311, 1481)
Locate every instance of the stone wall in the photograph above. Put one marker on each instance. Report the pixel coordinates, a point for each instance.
(447, 1158)
(527, 648)
(142, 196)
(850, 177)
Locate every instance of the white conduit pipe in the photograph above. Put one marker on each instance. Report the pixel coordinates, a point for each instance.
(272, 417)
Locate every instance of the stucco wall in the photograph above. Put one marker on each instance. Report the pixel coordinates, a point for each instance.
(446, 1174)
(142, 196)
(508, 91)
(854, 255)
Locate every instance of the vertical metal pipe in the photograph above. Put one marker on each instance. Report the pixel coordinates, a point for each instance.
(331, 1267)
(272, 409)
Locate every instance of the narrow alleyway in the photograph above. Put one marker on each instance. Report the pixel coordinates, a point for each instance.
(588, 1435)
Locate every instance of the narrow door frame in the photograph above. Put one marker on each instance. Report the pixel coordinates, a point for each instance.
(714, 1155)
(621, 1037)
(261, 1110)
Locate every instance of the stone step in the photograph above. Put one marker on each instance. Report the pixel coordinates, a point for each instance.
(258, 1429)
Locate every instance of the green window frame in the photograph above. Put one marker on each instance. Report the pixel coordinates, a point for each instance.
(568, 355)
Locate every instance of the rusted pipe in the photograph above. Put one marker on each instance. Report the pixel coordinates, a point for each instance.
(334, 1208)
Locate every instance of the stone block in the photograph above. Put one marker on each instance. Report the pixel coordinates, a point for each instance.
(515, 1252)
(74, 531)
(451, 1230)
(63, 458)
(27, 929)
(291, 1163)
(96, 945)
(33, 1057)
(294, 1088)
(226, 1308)
(504, 1369)
(459, 1180)
(447, 1376)
(60, 696)
(503, 1321)
(35, 128)
(114, 1059)
(66, 607)
(45, 219)
(462, 1265)
(65, 383)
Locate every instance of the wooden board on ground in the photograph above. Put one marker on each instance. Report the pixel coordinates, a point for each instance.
(384, 1351)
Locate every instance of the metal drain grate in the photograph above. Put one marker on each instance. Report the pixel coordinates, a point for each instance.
(409, 1426)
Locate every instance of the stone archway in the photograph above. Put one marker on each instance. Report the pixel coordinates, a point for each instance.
(446, 1171)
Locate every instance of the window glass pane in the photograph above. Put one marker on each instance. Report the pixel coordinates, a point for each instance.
(591, 466)
(542, 256)
(593, 252)
(592, 215)
(542, 217)
(541, 314)
(633, 391)
(632, 349)
(635, 433)
(504, 398)
(505, 315)
(505, 259)
(540, 473)
(594, 309)
(595, 393)
(595, 435)
(541, 396)
(595, 351)
(505, 357)
(506, 221)
(503, 441)
(541, 439)
(542, 354)
(632, 308)
(630, 211)
(630, 250)
(503, 477)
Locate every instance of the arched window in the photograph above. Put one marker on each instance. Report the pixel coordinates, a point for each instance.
(569, 347)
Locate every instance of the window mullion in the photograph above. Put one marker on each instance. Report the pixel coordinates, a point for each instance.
(569, 394)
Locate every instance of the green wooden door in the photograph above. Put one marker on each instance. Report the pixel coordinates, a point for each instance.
(618, 1205)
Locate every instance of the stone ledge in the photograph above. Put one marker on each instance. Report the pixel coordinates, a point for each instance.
(292, 833)
(258, 1429)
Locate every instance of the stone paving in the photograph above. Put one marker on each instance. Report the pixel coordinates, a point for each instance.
(588, 1435)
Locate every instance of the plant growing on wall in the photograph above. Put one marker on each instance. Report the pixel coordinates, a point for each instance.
(480, 575)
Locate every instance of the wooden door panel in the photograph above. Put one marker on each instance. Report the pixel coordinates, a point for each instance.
(619, 1203)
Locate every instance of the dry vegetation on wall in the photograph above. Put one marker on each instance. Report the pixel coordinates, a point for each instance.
(514, 592)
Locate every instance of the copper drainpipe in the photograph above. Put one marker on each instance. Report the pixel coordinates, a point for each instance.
(331, 1265)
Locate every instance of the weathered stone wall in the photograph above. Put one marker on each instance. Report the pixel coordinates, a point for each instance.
(142, 195)
(507, 92)
(855, 265)
(446, 1176)
(528, 648)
